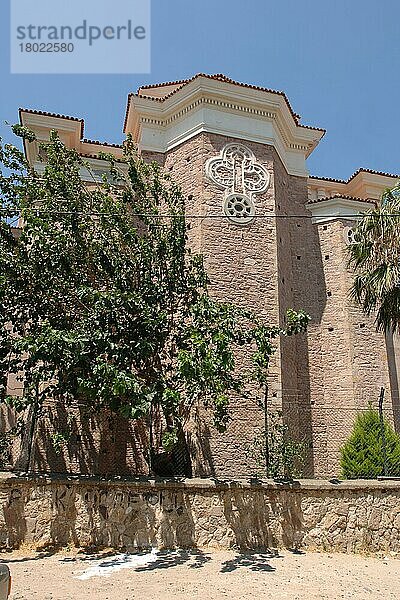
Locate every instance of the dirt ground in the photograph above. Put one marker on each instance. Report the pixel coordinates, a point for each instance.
(206, 575)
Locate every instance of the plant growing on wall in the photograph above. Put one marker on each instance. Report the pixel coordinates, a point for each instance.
(362, 456)
(375, 258)
(285, 456)
(101, 299)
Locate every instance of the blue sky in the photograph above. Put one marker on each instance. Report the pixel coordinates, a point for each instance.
(337, 60)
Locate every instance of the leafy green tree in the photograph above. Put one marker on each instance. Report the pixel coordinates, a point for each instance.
(375, 258)
(102, 301)
(362, 456)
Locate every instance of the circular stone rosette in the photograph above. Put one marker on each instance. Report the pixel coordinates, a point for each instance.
(239, 209)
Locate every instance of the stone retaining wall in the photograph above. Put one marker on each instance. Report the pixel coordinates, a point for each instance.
(352, 516)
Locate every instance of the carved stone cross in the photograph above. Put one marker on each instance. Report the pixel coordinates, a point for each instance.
(236, 170)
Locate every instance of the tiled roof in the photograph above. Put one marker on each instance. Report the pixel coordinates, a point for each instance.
(56, 115)
(218, 77)
(159, 85)
(81, 121)
(97, 143)
(327, 179)
(374, 173)
(96, 156)
(362, 170)
(354, 198)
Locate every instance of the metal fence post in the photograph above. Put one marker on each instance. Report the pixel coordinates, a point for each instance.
(383, 433)
(266, 430)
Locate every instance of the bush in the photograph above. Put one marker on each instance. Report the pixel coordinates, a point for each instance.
(362, 454)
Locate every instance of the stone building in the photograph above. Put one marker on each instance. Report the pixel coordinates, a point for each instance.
(273, 238)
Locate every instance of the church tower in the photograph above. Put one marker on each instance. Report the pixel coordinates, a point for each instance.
(272, 238)
(239, 153)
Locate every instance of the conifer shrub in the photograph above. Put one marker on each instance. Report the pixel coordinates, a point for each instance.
(362, 456)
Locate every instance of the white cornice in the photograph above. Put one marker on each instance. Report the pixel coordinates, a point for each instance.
(69, 131)
(363, 184)
(331, 209)
(92, 174)
(42, 124)
(207, 105)
(43, 121)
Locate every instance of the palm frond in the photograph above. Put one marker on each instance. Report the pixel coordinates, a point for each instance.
(375, 259)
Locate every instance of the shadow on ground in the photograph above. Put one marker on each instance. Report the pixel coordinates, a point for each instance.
(194, 559)
(38, 556)
(163, 559)
(255, 561)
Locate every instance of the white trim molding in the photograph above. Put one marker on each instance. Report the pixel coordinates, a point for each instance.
(69, 131)
(94, 171)
(214, 106)
(330, 209)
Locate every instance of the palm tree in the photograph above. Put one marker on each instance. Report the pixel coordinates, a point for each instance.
(375, 257)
